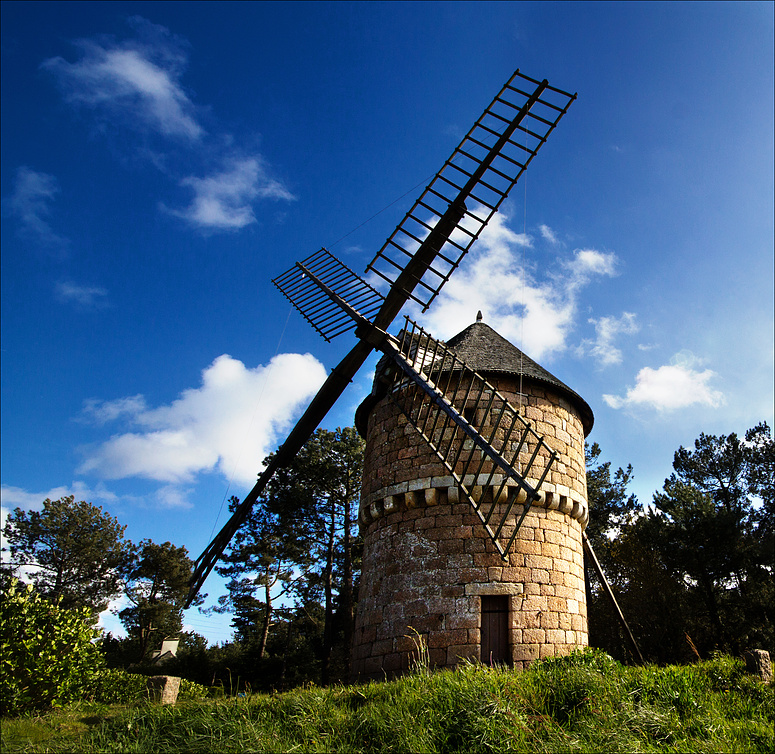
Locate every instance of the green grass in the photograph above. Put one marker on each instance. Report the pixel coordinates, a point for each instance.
(583, 703)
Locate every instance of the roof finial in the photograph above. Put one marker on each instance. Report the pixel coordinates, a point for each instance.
(479, 316)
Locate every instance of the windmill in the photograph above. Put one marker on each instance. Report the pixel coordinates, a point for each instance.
(425, 376)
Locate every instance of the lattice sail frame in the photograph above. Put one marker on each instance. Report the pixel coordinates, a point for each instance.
(438, 231)
(321, 312)
(486, 179)
(471, 427)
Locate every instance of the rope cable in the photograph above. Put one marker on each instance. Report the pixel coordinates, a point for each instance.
(524, 274)
(424, 182)
(384, 209)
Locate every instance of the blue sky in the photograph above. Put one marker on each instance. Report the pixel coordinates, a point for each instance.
(161, 162)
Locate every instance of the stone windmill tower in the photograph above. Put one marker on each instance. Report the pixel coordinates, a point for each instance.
(462, 542)
(429, 567)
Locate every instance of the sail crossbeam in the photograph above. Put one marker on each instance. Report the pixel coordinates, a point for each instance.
(495, 456)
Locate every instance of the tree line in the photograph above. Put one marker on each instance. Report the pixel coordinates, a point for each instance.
(692, 570)
(76, 554)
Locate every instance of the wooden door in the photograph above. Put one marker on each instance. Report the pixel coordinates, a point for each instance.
(495, 630)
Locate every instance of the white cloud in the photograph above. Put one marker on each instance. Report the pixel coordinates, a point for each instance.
(101, 412)
(607, 329)
(548, 234)
(230, 424)
(16, 497)
(87, 296)
(224, 201)
(136, 82)
(30, 204)
(172, 496)
(109, 621)
(588, 263)
(670, 387)
(536, 316)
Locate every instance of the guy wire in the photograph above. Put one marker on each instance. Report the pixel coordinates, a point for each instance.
(424, 182)
(524, 306)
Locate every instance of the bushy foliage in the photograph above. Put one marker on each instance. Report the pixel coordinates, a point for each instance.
(693, 572)
(300, 540)
(46, 652)
(156, 586)
(193, 691)
(115, 686)
(78, 549)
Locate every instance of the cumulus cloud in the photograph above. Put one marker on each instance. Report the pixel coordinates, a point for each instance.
(136, 82)
(172, 496)
(86, 296)
(607, 330)
(230, 423)
(536, 315)
(670, 387)
(587, 264)
(223, 201)
(100, 412)
(30, 205)
(16, 497)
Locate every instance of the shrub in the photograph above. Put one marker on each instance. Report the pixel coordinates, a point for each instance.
(115, 686)
(574, 684)
(46, 652)
(191, 690)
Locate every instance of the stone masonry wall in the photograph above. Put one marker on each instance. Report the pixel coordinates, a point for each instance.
(427, 560)
(397, 460)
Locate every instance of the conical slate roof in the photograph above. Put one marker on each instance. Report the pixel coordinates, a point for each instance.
(488, 353)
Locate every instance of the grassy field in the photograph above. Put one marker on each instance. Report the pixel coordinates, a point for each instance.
(583, 703)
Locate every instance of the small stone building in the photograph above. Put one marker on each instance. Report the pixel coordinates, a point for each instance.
(429, 571)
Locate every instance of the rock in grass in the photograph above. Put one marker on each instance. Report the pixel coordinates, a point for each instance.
(757, 662)
(164, 688)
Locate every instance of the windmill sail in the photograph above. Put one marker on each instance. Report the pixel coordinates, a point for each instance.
(480, 438)
(481, 171)
(416, 260)
(434, 236)
(324, 315)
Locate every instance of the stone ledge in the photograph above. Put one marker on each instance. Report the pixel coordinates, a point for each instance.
(430, 491)
(494, 588)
